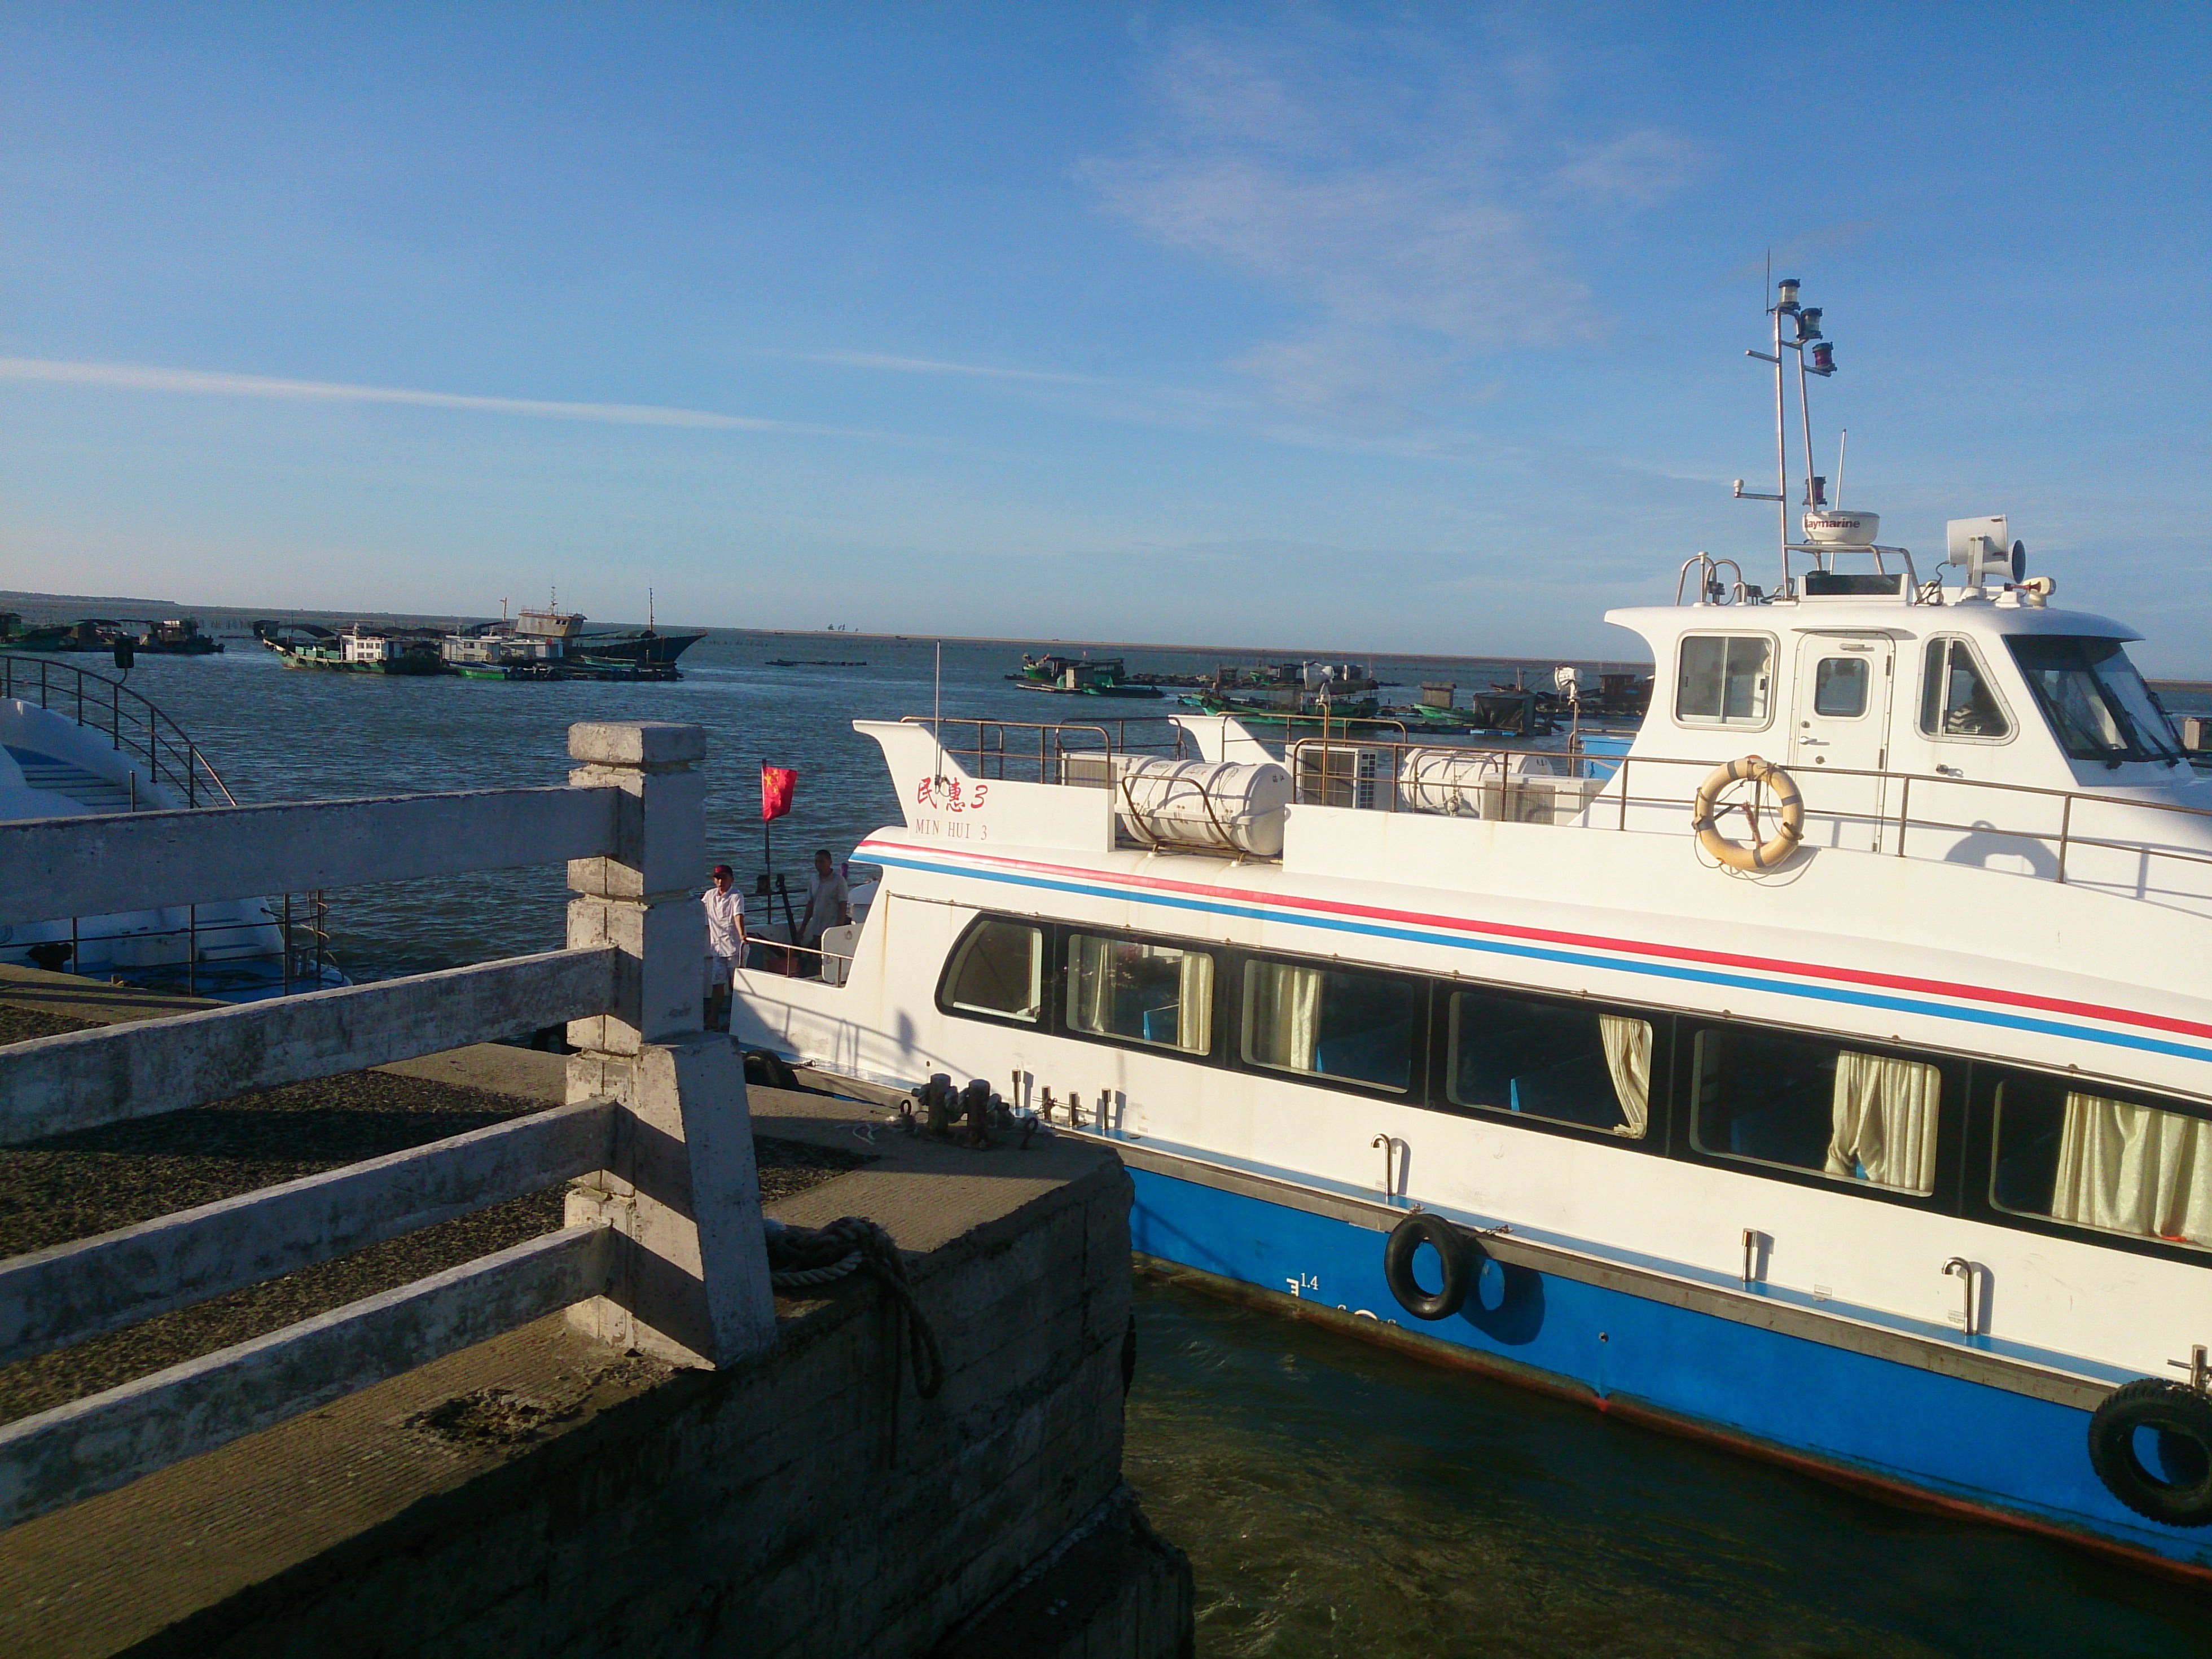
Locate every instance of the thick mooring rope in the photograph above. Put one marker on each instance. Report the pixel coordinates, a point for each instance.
(802, 1258)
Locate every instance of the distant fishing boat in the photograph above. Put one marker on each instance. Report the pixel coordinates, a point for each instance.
(1079, 676)
(355, 650)
(540, 636)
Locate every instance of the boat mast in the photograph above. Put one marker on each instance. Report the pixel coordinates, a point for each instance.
(1809, 341)
(1781, 443)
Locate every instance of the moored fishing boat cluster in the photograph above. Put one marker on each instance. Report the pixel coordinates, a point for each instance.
(537, 645)
(153, 636)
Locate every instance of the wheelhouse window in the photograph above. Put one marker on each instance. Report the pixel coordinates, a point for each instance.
(2097, 705)
(2073, 1155)
(1724, 680)
(1156, 994)
(998, 969)
(1955, 698)
(1362, 1028)
(1804, 1104)
(1563, 1064)
(1839, 687)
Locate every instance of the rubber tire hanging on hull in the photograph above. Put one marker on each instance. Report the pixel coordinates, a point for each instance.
(2182, 1417)
(1453, 1248)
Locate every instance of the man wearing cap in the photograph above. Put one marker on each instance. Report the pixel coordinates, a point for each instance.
(726, 944)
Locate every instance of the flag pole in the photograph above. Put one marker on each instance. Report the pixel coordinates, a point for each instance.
(768, 854)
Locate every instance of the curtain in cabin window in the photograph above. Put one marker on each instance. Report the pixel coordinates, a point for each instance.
(1884, 1121)
(1628, 1058)
(1283, 1015)
(1194, 1018)
(1090, 984)
(1151, 993)
(2132, 1170)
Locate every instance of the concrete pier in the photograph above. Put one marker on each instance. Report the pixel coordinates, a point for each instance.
(546, 1492)
(329, 1326)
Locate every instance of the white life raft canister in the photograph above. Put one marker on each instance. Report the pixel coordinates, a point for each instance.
(1215, 807)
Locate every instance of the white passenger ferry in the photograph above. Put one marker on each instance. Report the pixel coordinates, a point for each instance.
(1830, 1076)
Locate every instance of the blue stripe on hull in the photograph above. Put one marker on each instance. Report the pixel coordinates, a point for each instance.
(1954, 1439)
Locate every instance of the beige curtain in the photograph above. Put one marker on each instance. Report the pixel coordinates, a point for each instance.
(1090, 983)
(1285, 1014)
(1194, 998)
(2132, 1170)
(1885, 1117)
(1628, 1057)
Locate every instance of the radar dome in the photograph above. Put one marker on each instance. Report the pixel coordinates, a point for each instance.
(1831, 527)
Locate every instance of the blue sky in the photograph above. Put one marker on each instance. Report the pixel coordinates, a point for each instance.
(1409, 328)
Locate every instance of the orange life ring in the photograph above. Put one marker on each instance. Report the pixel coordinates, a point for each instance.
(1789, 810)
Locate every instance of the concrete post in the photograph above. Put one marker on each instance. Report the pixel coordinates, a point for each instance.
(691, 1283)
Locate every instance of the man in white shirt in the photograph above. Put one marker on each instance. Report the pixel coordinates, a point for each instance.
(725, 943)
(828, 903)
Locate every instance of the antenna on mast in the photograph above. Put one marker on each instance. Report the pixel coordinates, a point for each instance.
(1816, 354)
(1843, 439)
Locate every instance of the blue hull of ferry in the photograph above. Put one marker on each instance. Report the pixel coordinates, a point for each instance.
(2018, 1458)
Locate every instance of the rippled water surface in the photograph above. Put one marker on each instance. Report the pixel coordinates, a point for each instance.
(1341, 1501)
(1337, 1500)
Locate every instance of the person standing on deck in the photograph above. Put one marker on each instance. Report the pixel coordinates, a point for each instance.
(725, 943)
(829, 901)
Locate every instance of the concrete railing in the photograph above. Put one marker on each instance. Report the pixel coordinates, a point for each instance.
(662, 1249)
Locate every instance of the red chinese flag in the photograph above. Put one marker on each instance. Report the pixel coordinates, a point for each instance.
(776, 784)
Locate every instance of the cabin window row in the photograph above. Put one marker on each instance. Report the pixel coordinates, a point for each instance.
(1813, 1108)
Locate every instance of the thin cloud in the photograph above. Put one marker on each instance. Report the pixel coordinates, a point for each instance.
(1637, 169)
(1412, 193)
(138, 377)
(935, 366)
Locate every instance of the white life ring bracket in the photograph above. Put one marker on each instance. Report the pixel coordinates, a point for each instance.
(1788, 811)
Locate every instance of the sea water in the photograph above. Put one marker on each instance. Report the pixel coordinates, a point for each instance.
(1336, 1499)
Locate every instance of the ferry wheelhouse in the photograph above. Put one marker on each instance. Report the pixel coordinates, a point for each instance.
(1830, 1074)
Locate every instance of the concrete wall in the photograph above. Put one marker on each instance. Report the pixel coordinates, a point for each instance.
(792, 1506)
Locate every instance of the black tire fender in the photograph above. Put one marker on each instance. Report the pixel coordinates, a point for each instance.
(2182, 1419)
(1454, 1249)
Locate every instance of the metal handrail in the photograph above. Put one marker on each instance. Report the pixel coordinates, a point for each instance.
(183, 760)
(302, 956)
(1610, 768)
(1709, 578)
(1052, 744)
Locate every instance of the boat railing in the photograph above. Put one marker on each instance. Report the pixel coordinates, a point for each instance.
(1078, 753)
(656, 1105)
(1645, 793)
(127, 719)
(287, 950)
(1711, 589)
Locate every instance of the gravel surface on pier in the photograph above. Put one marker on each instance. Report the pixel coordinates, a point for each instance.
(94, 1181)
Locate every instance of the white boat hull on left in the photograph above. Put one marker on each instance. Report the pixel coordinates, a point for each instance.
(51, 766)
